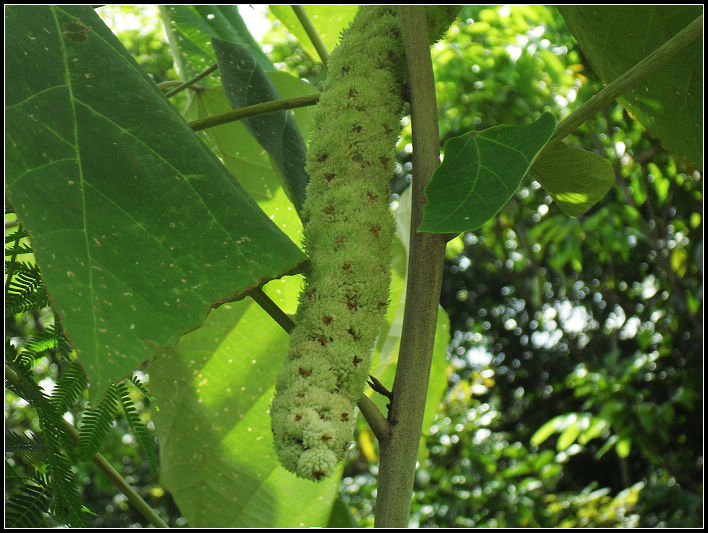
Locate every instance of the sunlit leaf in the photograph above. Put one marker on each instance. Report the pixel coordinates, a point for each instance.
(214, 390)
(479, 174)
(576, 179)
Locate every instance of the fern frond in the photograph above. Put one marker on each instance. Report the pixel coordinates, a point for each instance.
(69, 387)
(66, 506)
(25, 289)
(141, 387)
(142, 435)
(27, 507)
(96, 423)
(18, 249)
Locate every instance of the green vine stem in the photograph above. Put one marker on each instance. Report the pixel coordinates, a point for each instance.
(191, 82)
(626, 81)
(425, 267)
(133, 497)
(312, 33)
(253, 110)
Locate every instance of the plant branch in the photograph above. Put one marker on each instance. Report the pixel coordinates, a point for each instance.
(191, 82)
(626, 81)
(312, 33)
(270, 307)
(254, 110)
(377, 422)
(425, 267)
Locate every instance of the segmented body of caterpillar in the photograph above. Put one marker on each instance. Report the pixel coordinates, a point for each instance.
(348, 230)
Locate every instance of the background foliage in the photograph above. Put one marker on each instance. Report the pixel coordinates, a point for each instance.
(574, 370)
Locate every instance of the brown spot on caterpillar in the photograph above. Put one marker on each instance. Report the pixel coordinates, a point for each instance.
(381, 305)
(300, 394)
(329, 176)
(375, 230)
(304, 372)
(347, 269)
(327, 320)
(356, 360)
(322, 417)
(352, 305)
(345, 69)
(372, 197)
(325, 438)
(329, 210)
(352, 93)
(353, 335)
(384, 160)
(345, 447)
(317, 474)
(323, 340)
(345, 417)
(339, 241)
(322, 158)
(356, 128)
(387, 130)
(298, 418)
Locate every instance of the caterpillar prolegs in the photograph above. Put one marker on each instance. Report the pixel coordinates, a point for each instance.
(348, 230)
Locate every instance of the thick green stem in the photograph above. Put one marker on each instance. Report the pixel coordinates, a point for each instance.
(626, 81)
(425, 266)
(254, 110)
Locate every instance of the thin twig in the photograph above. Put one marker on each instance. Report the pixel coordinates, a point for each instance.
(191, 82)
(254, 110)
(312, 33)
(626, 81)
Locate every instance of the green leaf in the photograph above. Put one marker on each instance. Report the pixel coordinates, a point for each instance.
(214, 390)
(329, 21)
(246, 84)
(669, 102)
(137, 227)
(480, 173)
(245, 158)
(575, 178)
(190, 30)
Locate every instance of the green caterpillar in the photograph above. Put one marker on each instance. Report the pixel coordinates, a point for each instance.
(348, 230)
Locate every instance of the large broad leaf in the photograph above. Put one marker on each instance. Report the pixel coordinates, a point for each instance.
(669, 103)
(190, 29)
(246, 84)
(213, 391)
(245, 157)
(136, 225)
(575, 178)
(328, 20)
(479, 174)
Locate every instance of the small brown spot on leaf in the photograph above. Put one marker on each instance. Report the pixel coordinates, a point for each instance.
(76, 31)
